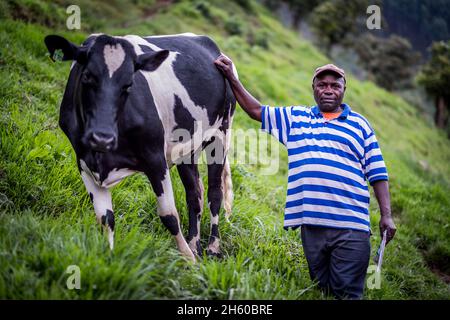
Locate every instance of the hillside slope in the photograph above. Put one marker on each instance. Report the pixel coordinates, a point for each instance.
(47, 222)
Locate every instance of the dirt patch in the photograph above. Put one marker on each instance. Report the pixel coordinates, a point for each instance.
(445, 277)
(438, 260)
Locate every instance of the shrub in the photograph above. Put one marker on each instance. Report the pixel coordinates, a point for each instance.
(259, 38)
(233, 26)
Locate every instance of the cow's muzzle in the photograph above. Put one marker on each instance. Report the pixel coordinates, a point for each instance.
(103, 142)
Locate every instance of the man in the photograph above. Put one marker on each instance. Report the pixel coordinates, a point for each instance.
(332, 150)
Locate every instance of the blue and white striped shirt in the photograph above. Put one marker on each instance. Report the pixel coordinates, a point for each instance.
(329, 162)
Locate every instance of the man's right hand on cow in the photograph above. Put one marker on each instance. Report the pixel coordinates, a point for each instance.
(225, 65)
(245, 99)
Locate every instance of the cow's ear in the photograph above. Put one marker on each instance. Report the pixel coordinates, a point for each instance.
(70, 51)
(151, 61)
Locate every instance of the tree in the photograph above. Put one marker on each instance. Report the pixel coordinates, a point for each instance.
(334, 20)
(420, 21)
(302, 8)
(390, 62)
(435, 77)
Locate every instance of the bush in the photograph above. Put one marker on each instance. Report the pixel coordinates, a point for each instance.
(246, 4)
(204, 8)
(233, 26)
(259, 38)
(390, 61)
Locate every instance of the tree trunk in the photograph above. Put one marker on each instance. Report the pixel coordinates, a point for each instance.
(441, 116)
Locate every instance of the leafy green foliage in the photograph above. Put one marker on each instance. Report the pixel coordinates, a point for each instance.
(435, 77)
(332, 21)
(390, 62)
(421, 21)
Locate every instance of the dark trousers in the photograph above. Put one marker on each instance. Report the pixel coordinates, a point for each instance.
(337, 259)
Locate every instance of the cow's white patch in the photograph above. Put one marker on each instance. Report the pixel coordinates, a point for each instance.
(159, 81)
(166, 206)
(115, 176)
(166, 202)
(215, 245)
(227, 188)
(114, 56)
(101, 198)
(111, 238)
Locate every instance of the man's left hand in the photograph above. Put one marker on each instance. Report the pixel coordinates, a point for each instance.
(387, 223)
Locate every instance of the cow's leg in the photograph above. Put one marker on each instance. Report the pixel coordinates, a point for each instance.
(227, 185)
(101, 199)
(194, 197)
(215, 196)
(159, 177)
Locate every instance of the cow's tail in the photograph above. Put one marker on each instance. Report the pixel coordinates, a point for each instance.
(227, 184)
(227, 187)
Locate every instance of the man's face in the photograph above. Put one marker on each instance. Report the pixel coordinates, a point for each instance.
(329, 91)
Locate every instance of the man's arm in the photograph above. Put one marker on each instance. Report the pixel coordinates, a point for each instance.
(249, 103)
(381, 189)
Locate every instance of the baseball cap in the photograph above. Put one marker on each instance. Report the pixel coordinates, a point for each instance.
(329, 67)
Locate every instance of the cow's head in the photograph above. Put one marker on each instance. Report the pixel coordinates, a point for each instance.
(108, 66)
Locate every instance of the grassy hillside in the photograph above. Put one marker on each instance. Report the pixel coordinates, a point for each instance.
(47, 221)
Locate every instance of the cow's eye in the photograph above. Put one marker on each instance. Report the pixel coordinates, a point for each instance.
(126, 88)
(88, 79)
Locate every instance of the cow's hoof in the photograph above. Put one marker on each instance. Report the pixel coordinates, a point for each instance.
(214, 254)
(196, 248)
(190, 258)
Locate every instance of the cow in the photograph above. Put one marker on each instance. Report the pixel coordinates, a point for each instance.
(125, 102)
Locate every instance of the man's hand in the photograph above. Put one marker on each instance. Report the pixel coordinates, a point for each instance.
(225, 65)
(381, 189)
(387, 223)
(250, 105)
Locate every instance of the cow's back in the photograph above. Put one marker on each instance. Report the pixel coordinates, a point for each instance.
(187, 89)
(194, 67)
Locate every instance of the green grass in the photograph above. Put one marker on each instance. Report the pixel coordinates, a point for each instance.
(47, 222)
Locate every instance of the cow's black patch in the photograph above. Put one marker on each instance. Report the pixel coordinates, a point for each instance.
(183, 117)
(214, 232)
(214, 235)
(191, 180)
(91, 196)
(108, 219)
(199, 248)
(146, 49)
(195, 69)
(215, 194)
(171, 223)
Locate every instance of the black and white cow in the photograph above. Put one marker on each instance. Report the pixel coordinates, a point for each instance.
(126, 100)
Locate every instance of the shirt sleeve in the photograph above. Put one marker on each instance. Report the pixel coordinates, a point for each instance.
(374, 166)
(277, 122)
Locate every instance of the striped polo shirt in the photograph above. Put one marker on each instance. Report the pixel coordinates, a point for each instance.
(330, 162)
